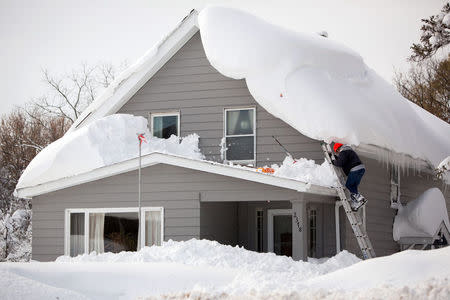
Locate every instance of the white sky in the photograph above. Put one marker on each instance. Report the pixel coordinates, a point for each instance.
(59, 35)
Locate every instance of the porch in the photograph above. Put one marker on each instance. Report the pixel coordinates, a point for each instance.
(298, 228)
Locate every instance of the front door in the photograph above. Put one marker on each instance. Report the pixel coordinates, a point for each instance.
(280, 231)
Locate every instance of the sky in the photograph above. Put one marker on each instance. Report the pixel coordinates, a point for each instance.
(60, 35)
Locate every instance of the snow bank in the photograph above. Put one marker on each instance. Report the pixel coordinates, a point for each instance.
(321, 88)
(103, 142)
(422, 216)
(205, 253)
(306, 170)
(202, 269)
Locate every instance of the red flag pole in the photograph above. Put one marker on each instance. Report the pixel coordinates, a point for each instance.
(140, 138)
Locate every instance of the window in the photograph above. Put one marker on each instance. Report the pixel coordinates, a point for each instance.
(165, 124)
(259, 230)
(240, 134)
(111, 229)
(395, 186)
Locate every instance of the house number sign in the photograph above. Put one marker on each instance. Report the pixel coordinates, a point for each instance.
(297, 221)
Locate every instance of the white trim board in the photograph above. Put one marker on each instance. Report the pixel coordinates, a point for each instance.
(183, 162)
(270, 214)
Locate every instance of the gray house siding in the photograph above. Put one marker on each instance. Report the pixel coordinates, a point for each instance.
(219, 222)
(188, 83)
(176, 189)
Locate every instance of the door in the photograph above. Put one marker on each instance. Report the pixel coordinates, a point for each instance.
(279, 231)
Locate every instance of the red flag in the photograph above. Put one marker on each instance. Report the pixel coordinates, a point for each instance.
(141, 138)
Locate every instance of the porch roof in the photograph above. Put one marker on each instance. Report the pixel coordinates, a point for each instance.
(244, 173)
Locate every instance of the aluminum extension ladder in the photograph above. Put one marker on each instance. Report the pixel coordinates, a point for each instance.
(353, 217)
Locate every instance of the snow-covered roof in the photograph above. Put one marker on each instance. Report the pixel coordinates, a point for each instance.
(154, 158)
(422, 216)
(318, 86)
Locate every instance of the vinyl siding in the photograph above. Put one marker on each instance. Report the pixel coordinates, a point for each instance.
(189, 84)
(176, 189)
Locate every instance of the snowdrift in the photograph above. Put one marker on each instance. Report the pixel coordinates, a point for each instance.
(103, 142)
(318, 86)
(209, 270)
(306, 170)
(422, 216)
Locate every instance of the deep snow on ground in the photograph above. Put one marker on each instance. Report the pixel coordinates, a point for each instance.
(318, 86)
(209, 270)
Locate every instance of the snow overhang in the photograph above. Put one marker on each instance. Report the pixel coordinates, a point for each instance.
(154, 158)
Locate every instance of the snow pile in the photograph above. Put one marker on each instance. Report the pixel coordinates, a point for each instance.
(205, 253)
(321, 88)
(422, 216)
(306, 170)
(203, 269)
(103, 142)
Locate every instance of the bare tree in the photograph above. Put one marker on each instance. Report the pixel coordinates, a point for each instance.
(427, 85)
(70, 94)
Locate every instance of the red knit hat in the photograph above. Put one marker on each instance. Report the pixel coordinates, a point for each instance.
(337, 146)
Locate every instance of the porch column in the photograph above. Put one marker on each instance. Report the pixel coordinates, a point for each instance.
(299, 229)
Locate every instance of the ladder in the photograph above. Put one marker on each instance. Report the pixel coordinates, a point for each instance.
(353, 217)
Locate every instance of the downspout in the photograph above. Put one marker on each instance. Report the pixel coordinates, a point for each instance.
(338, 230)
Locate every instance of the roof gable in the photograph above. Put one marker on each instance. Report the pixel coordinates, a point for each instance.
(132, 79)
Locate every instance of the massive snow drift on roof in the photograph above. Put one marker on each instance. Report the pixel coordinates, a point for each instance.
(106, 141)
(321, 88)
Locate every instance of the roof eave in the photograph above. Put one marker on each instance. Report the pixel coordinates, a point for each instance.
(157, 158)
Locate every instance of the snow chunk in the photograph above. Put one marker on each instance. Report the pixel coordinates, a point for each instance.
(321, 88)
(306, 170)
(106, 141)
(422, 216)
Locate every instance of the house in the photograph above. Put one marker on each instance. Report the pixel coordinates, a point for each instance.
(177, 89)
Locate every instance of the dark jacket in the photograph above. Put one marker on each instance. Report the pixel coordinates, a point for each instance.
(347, 159)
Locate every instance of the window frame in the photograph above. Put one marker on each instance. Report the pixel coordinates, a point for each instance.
(271, 213)
(165, 114)
(87, 211)
(225, 110)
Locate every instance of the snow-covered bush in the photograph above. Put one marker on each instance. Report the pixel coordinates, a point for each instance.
(15, 236)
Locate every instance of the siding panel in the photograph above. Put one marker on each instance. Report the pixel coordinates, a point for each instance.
(188, 83)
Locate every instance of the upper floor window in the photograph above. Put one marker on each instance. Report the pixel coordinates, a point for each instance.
(240, 134)
(395, 186)
(165, 124)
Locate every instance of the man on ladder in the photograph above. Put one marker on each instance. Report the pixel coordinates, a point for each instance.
(354, 169)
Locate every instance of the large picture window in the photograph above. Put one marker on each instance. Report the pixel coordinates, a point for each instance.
(165, 124)
(112, 229)
(240, 137)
